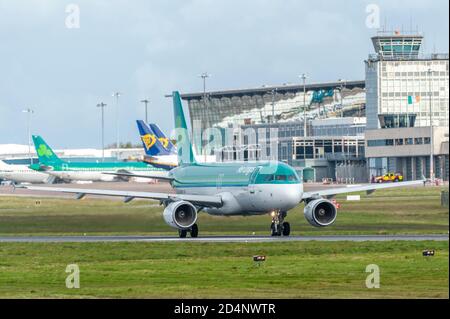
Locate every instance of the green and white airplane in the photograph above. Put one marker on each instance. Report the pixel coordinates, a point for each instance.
(51, 164)
(229, 189)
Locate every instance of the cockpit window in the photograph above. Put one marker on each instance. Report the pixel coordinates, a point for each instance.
(274, 178)
(265, 177)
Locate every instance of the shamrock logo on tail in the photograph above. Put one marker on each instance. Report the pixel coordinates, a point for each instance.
(44, 151)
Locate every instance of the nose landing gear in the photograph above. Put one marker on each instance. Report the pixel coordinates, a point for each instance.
(182, 233)
(279, 226)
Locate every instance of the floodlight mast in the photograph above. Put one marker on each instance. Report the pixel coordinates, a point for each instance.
(102, 106)
(29, 112)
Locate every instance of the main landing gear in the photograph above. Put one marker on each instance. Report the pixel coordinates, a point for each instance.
(193, 231)
(279, 226)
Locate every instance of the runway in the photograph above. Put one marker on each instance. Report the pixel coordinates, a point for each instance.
(218, 239)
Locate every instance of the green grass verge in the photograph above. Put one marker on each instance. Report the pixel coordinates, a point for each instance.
(394, 211)
(211, 270)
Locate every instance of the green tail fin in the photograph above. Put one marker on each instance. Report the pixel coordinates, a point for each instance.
(44, 152)
(184, 146)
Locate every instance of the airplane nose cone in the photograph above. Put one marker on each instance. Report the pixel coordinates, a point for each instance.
(293, 195)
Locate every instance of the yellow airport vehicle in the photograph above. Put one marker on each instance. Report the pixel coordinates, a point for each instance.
(389, 177)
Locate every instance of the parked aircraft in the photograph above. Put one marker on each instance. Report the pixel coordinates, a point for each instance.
(23, 174)
(159, 150)
(51, 164)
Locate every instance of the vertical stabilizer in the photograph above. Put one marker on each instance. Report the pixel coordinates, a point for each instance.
(184, 146)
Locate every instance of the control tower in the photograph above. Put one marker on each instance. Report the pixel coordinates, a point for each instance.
(395, 45)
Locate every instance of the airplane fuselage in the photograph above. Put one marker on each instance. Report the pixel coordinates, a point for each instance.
(22, 174)
(245, 188)
(96, 171)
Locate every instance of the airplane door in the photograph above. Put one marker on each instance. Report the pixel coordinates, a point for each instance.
(253, 189)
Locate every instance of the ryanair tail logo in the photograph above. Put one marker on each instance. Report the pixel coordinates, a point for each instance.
(164, 141)
(149, 140)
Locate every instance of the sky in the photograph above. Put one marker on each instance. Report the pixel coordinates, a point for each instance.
(62, 58)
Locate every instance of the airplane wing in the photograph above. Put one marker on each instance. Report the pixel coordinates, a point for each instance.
(200, 200)
(352, 189)
(161, 177)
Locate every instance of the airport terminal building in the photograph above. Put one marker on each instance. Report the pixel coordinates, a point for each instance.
(407, 108)
(333, 146)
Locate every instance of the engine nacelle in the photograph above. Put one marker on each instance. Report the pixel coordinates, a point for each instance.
(320, 212)
(180, 215)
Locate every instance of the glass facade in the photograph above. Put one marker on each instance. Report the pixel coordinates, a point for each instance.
(397, 45)
(401, 93)
(223, 109)
(399, 141)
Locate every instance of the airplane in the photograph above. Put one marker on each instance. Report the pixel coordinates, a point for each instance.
(159, 150)
(23, 174)
(227, 189)
(51, 164)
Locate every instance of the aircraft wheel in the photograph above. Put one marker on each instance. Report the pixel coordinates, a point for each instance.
(274, 233)
(182, 233)
(286, 229)
(194, 231)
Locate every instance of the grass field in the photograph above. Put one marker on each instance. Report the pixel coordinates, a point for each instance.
(397, 211)
(223, 270)
(205, 270)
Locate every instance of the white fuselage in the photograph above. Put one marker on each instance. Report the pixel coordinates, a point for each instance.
(171, 161)
(22, 174)
(84, 176)
(254, 199)
(97, 176)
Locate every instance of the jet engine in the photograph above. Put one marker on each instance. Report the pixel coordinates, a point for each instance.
(320, 212)
(180, 215)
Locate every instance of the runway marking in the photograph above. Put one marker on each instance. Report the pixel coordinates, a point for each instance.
(218, 239)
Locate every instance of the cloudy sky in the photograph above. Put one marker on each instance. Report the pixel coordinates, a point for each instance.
(147, 49)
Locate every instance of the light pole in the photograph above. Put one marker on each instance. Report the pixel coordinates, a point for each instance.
(430, 74)
(342, 86)
(29, 112)
(303, 77)
(273, 92)
(117, 95)
(102, 106)
(146, 113)
(204, 76)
